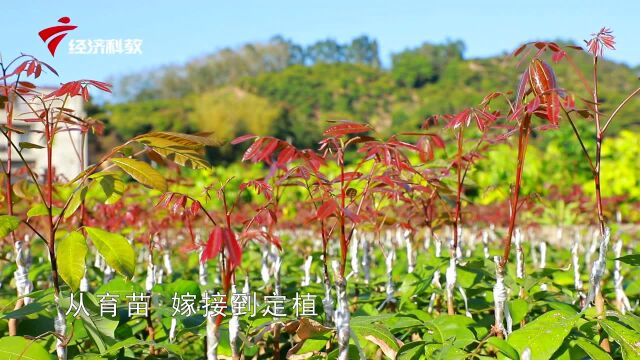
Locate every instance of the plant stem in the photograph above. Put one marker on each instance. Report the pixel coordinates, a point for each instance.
(457, 217)
(523, 139)
(13, 323)
(599, 299)
(343, 237)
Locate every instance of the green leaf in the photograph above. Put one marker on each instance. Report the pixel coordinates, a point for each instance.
(142, 173)
(377, 334)
(100, 328)
(313, 344)
(41, 210)
(182, 287)
(126, 343)
(8, 223)
(452, 327)
(443, 352)
(411, 351)
(518, 309)
(631, 320)
(545, 334)
(633, 259)
(28, 145)
(31, 308)
(75, 202)
(594, 351)
(353, 353)
(120, 287)
(628, 339)
(109, 188)
(115, 249)
(71, 252)
(504, 347)
(17, 347)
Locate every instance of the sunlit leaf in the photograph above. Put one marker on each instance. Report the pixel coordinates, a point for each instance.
(8, 223)
(142, 173)
(115, 249)
(71, 252)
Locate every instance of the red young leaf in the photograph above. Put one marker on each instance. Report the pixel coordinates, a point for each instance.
(179, 204)
(275, 241)
(195, 207)
(346, 128)
(437, 140)
(347, 176)
(286, 155)
(214, 245)
(165, 200)
(233, 247)
(519, 50)
(326, 209)
(352, 216)
(252, 151)
(272, 145)
(243, 138)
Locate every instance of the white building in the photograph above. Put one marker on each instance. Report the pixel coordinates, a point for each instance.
(68, 150)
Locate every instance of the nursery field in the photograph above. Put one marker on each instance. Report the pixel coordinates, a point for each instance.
(365, 246)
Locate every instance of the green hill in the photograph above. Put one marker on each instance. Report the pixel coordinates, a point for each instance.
(289, 90)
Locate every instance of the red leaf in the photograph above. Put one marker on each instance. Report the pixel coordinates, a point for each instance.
(553, 46)
(195, 207)
(179, 204)
(106, 87)
(347, 176)
(243, 138)
(275, 241)
(252, 151)
(38, 70)
(437, 140)
(326, 209)
(557, 56)
(214, 245)
(533, 105)
(32, 68)
(20, 68)
(235, 251)
(346, 128)
(519, 50)
(165, 200)
(271, 146)
(286, 155)
(352, 216)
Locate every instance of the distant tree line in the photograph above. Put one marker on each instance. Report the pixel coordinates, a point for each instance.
(289, 90)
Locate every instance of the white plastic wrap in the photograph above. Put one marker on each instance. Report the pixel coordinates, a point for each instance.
(598, 268)
(500, 296)
(342, 316)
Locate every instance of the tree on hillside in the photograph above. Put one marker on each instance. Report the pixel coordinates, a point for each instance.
(422, 65)
(363, 50)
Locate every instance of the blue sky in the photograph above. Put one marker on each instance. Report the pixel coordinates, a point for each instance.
(186, 29)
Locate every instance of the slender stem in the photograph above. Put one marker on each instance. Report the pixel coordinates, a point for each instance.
(575, 131)
(620, 106)
(457, 217)
(525, 128)
(49, 204)
(26, 165)
(599, 138)
(343, 239)
(35, 231)
(599, 300)
(13, 323)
